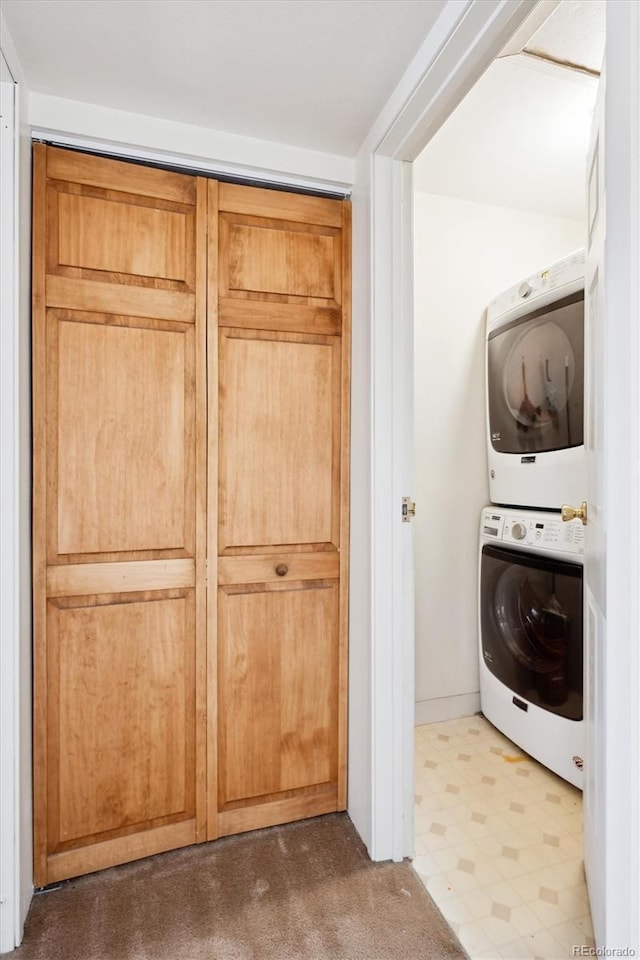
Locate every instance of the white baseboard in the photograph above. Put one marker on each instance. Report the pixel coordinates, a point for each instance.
(447, 708)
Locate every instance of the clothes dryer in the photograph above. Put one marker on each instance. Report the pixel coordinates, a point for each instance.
(531, 636)
(535, 389)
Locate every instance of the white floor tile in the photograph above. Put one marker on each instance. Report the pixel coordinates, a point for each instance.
(547, 947)
(504, 893)
(478, 903)
(498, 931)
(518, 950)
(473, 938)
(499, 844)
(425, 865)
(456, 910)
(574, 901)
(569, 935)
(524, 920)
(549, 914)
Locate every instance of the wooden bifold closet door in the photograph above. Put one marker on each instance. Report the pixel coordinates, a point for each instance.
(191, 393)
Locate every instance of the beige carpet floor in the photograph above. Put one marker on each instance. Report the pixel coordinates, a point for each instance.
(303, 891)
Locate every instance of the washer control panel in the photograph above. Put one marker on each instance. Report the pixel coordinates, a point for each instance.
(545, 531)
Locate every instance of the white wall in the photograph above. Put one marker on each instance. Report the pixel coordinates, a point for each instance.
(465, 253)
(129, 133)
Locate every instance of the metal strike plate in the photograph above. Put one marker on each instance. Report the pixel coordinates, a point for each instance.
(408, 510)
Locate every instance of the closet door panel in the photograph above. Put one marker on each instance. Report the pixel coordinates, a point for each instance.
(279, 425)
(272, 258)
(121, 735)
(259, 315)
(119, 512)
(281, 472)
(82, 579)
(277, 691)
(97, 234)
(124, 439)
(280, 205)
(134, 301)
(69, 166)
(280, 261)
(115, 251)
(273, 568)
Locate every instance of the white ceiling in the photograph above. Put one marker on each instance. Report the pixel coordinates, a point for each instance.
(310, 73)
(519, 138)
(574, 33)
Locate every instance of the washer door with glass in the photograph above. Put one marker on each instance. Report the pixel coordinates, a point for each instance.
(531, 627)
(535, 379)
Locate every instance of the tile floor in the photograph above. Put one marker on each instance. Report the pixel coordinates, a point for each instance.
(499, 844)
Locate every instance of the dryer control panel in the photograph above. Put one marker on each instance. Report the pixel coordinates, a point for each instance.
(533, 530)
(538, 290)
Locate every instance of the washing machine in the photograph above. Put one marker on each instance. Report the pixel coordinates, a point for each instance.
(535, 389)
(531, 636)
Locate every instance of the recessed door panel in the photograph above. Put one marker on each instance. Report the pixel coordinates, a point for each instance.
(124, 441)
(99, 234)
(121, 725)
(265, 257)
(277, 688)
(71, 167)
(281, 261)
(113, 250)
(279, 440)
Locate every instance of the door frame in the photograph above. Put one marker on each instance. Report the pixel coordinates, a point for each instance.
(15, 510)
(9, 542)
(619, 762)
(466, 40)
(392, 439)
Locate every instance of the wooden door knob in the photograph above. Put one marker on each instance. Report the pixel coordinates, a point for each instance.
(282, 569)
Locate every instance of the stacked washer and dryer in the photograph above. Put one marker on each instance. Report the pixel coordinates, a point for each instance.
(530, 580)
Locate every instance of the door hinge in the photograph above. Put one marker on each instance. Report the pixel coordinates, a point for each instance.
(408, 509)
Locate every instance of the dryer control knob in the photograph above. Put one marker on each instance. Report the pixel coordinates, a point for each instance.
(525, 290)
(518, 531)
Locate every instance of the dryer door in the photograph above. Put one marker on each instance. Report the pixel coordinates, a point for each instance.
(531, 627)
(535, 379)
